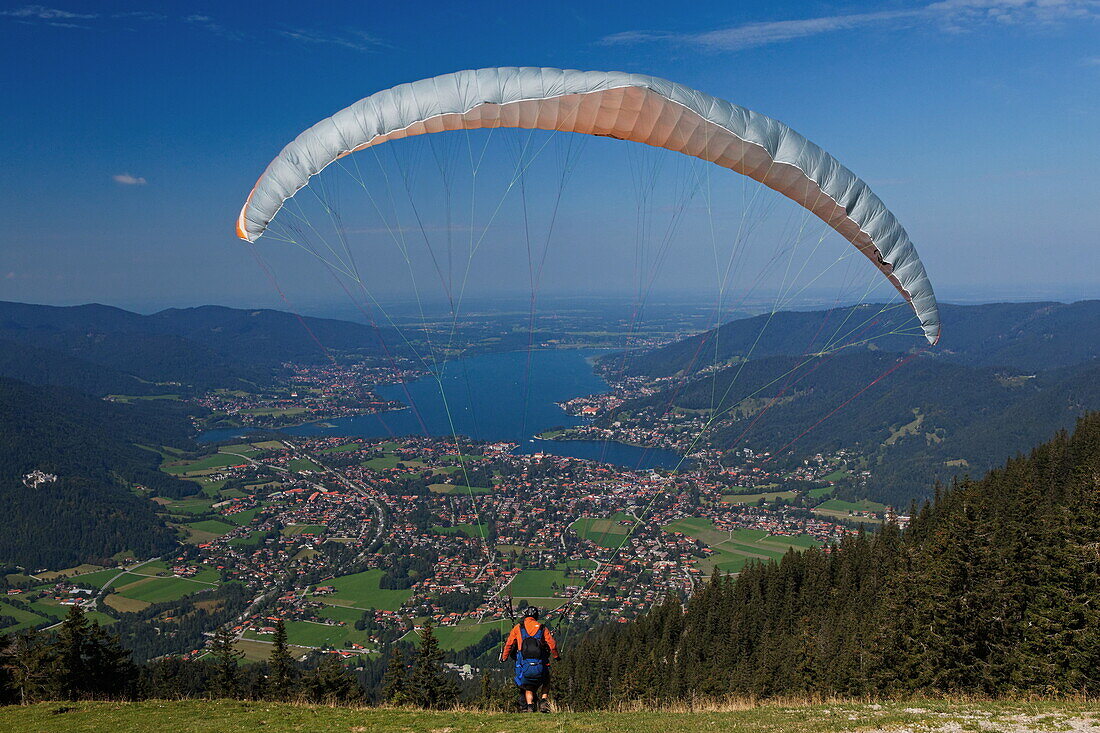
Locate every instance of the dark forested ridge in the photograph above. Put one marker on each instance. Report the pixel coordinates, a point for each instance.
(1004, 376)
(209, 346)
(92, 446)
(992, 591)
(1016, 336)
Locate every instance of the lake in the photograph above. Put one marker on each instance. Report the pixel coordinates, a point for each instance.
(509, 397)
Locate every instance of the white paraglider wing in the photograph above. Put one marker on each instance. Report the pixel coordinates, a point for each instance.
(632, 107)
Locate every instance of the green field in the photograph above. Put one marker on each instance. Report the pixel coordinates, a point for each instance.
(157, 590)
(292, 530)
(454, 489)
(206, 463)
(753, 498)
(343, 448)
(23, 619)
(740, 716)
(192, 505)
(303, 464)
(242, 518)
(361, 591)
(863, 505)
(252, 539)
(213, 526)
(604, 532)
(470, 530)
(310, 634)
(455, 638)
(96, 579)
(538, 583)
(818, 493)
(383, 463)
(734, 549)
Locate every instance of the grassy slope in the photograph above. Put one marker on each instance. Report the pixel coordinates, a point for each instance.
(196, 716)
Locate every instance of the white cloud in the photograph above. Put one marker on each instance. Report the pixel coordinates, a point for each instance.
(40, 12)
(128, 180)
(355, 40)
(952, 16)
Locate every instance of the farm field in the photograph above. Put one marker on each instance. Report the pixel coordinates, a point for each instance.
(538, 584)
(455, 638)
(23, 619)
(838, 505)
(455, 489)
(734, 549)
(152, 589)
(215, 527)
(753, 498)
(604, 532)
(361, 591)
(191, 505)
(470, 530)
(309, 634)
(195, 466)
(302, 464)
(292, 530)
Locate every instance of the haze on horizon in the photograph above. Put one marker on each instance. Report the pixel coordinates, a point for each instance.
(139, 128)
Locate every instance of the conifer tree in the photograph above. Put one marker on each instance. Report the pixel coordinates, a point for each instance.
(227, 675)
(395, 686)
(330, 682)
(28, 661)
(281, 665)
(429, 686)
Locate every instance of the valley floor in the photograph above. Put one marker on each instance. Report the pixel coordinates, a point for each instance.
(208, 716)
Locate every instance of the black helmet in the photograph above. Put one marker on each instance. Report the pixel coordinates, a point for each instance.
(531, 612)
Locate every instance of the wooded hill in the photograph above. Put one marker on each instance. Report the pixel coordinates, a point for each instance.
(205, 347)
(962, 407)
(93, 447)
(991, 591)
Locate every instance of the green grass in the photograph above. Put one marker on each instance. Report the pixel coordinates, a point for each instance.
(537, 583)
(96, 579)
(252, 539)
(343, 448)
(818, 493)
(470, 530)
(733, 550)
(463, 490)
(296, 529)
(361, 591)
(23, 619)
(604, 532)
(383, 463)
(206, 463)
(193, 505)
(214, 526)
(863, 505)
(157, 590)
(456, 638)
(231, 716)
(303, 464)
(242, 518)
(307, 633)
(753, 498)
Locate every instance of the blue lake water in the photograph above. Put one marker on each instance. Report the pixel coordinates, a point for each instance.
(508, 397)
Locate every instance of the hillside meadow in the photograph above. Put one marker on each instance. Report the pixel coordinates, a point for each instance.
(195, 716)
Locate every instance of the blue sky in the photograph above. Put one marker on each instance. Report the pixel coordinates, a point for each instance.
(133, 131)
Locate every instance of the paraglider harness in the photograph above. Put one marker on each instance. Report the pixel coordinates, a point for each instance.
(531, 667)
(532, 656)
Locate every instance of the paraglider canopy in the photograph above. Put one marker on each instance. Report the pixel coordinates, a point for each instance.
(632, 107)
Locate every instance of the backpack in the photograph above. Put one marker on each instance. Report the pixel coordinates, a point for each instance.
(531, 660)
